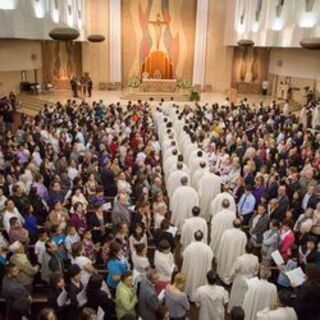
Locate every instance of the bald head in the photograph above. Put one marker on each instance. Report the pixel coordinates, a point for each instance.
(225, 203)
(179, 165)
(237, 223)
(184, 181)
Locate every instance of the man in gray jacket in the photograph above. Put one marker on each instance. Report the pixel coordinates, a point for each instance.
(120, 212)
(149, 304)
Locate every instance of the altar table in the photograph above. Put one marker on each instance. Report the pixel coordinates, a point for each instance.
(158, 85)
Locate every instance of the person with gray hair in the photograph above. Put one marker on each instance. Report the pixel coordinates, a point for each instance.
(149, 303)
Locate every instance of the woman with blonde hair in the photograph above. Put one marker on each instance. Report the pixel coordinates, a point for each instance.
(177, 300)
(21, 261)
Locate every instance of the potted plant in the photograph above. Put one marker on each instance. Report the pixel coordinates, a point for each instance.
(194, 96)
(134, 83)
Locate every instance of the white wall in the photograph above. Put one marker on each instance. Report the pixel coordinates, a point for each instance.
(17, 56)
(33, 19)
(294, 22)
(298, 63)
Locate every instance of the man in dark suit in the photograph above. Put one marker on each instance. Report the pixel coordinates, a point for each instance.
(275, 211)
(258, 224)
(248, 176)
(74, 288)
(74, 86)
(310, 199)
(89, 86)
(272, 187)
(107, 179)
(293, 185)
(283, 200)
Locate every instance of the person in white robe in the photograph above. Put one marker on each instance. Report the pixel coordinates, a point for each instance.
(261, 294)
(169, 159)
(197, 175)
(282, 312)
(304, 117)
(194, 154)
(221, 222)
(197, 261)
(245, 267)
(211, 298)
(188, 150)
(286, 109)
(209, 187)
(173, 166)
(167, 143)
(194, 164)
(216, 203)
(174, 180)
(182, 202)
(192, 225)
(232, 246)
(316, 116)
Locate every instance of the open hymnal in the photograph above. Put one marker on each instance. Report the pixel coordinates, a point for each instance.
(82, 298)
(296, 276)
(62, 298)
(173, 230)
(106, 206)
(277, 258)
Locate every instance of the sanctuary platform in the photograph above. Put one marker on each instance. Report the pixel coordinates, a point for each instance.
(156, 95)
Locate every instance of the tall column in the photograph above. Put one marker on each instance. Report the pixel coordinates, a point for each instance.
(199, 60)
(115, 40)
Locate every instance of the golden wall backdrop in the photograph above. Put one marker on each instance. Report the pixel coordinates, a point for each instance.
(142, 35)
(61, 60)
(250, 66)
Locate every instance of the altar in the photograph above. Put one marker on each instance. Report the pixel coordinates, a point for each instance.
(158, 85)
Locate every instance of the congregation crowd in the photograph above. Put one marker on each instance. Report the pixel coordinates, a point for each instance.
(151, 210)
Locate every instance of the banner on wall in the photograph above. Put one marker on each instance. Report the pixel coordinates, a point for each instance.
(158, 38)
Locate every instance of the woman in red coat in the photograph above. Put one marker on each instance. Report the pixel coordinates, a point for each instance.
(287, 238)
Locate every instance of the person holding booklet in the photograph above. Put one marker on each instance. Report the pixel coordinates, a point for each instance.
(292, 263)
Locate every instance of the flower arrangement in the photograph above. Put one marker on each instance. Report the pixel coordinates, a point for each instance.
(134, 82)
(183, 84)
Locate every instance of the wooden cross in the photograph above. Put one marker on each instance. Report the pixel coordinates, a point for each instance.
(158, 23)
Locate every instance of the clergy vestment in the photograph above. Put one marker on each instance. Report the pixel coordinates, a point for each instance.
(282, 313)
(188, 151)
(220, 223)
(189, 228)
(232, 246)
(181, 203)
(209, 187)
(195, 163)
(244, 267)
(316, 117)
(216, 203)
(211, 299)
(173, 168)
(260, 295)
(174, 181)
(197, 261)
(197, 175)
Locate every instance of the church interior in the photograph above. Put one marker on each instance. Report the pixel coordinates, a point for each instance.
(160, 159)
